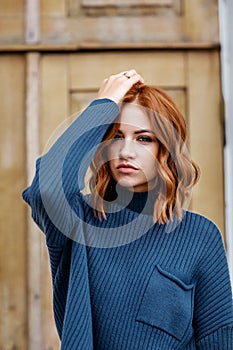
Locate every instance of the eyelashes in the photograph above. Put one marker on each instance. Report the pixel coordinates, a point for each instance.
(141, 139)
(117, 138)
(145, 139)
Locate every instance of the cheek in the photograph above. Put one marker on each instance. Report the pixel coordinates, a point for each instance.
(156, 149)
(151, 162)
(111, 156)
(111, 153)
(112, 170)
(149, 154)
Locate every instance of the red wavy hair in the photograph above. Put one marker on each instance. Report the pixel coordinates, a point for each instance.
(177, 172)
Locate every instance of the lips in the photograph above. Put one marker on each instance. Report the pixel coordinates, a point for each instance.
(126, 168)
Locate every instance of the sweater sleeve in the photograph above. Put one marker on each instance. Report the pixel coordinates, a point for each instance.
(213, 315)
(61, 171)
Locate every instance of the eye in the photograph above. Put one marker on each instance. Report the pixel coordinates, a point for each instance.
(145, 139)
(117, 137)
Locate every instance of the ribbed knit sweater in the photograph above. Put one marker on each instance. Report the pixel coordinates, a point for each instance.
(126, 283)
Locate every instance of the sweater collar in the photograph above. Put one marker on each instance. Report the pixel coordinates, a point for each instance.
(136, 201)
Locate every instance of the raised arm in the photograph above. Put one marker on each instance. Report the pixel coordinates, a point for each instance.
(60, 172)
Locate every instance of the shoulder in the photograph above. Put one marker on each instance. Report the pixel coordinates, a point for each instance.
(200, 223)
(192, 224)
(204, 231)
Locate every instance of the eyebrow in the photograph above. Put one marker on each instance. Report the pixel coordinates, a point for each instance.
(141, 131)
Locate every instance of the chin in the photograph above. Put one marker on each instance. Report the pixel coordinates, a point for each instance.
(126, 184)
(132, 186)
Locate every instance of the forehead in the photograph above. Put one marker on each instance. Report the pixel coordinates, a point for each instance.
(133, 116)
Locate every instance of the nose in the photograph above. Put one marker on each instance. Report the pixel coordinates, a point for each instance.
(127, 149)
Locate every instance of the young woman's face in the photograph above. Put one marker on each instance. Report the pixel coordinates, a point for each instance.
(133, 151)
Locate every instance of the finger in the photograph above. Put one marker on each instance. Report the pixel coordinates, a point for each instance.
(135, 78)
(132, 74)
(116, 86)
(128, 72)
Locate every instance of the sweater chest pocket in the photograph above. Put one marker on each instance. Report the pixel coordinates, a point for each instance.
(167, 304)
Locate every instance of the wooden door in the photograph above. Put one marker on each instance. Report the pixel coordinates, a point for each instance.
(69, 82)
(174, 44)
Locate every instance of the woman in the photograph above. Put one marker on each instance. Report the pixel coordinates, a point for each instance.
(131, 268)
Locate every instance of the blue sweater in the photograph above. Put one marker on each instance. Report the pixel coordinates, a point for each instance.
(125, 283)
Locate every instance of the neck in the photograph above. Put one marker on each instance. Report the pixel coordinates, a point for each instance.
(136, 201)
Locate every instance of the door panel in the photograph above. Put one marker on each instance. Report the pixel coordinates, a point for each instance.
(13, 243)
(131, 22)
(206, 133)
(108, 23)
(160, 68)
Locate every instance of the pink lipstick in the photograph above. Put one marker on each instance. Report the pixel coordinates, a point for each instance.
(126, 168)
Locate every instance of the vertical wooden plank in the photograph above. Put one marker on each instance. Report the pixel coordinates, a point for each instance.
(13, 243)
(55, 87)
(205, 131)
(34, 240)
(32, 36)
(32, 21)
(54, 111)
